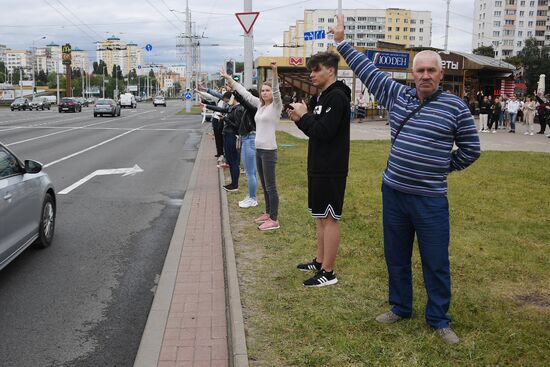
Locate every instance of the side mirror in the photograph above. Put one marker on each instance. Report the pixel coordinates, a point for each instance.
(32, 166)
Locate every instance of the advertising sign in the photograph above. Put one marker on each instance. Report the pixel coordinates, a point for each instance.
(296, 61)
(388, 60)
(132, 88)
(66, 54)
(452, 64)
(7, 94)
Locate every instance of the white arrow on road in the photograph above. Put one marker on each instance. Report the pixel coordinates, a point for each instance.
(102, 172)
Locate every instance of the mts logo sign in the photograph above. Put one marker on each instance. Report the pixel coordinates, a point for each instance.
(296, 61)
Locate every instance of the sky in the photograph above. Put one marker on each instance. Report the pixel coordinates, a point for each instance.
(157, 22)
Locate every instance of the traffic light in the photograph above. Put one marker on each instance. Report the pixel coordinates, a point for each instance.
(230, 67)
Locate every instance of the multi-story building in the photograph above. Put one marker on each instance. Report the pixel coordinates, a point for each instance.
(113, 51)
(80, 60)
(506, 24)
(3, 50)
(364, 27)
(18, 59)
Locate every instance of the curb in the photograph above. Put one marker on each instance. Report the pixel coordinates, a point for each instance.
(151, 340)
(236, 334)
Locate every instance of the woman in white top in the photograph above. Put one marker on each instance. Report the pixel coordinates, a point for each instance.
(270, 106)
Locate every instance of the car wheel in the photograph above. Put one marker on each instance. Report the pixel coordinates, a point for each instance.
(12, 109)
(60, 111)
(113, 114)
(47, 223)
(95, 114)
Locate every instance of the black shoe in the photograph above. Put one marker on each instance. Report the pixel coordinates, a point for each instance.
(321, 279)
(231, 188)
(217, 155)
(313, 265)
(540, 132)
(512, 131)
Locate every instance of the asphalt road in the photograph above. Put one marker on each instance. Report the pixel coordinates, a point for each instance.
(84, 301)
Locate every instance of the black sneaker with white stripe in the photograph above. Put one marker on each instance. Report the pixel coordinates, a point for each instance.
(313, 265)
(321, 279)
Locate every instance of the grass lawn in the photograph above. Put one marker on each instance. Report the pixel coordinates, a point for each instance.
(194, 111)
(500, 264)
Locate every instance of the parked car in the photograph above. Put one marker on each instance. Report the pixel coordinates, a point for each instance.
(20, 104)
(106, 107)
(83, 101)
(159, 100)
(69, 104)
(40, 103)
(127, 100)
(27, 206)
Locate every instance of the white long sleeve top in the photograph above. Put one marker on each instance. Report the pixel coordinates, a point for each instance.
(267, 117)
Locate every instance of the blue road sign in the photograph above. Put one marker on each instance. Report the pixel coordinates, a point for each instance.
(148, 47)
(188, 95)
(315, 35)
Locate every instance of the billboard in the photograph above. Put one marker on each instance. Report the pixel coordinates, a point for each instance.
(389, 60)
(7, 94)
(66, 54)
(132, 88)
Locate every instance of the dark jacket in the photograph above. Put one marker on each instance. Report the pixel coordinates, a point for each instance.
(327, 124)
(232, 119)
(248, 124)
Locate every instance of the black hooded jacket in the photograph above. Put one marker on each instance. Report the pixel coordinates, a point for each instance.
(327, 124)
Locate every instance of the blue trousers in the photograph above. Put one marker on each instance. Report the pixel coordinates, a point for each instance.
(405, 215)
(248, 148)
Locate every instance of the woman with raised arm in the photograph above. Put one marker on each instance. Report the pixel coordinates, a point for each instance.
(270, 106)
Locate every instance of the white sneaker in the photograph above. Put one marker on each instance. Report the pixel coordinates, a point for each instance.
(494, 131)
(247, 203)
(531, 134)
(526, 133)
(220, 158)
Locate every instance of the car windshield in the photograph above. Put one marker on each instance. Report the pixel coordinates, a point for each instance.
(67, 100)
(19, 100)
(103, 101)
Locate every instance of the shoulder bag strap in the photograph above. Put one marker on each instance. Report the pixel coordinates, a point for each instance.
(418, 108)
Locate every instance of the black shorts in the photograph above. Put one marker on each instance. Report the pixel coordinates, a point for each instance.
(326, 196)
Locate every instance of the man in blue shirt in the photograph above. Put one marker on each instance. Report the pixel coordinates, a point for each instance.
(425, 124)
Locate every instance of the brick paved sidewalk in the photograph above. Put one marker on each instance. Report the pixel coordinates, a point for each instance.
(196, 330)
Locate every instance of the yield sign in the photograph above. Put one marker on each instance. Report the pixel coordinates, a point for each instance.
(247, 20)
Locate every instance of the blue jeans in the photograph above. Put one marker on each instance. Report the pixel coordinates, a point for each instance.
(405, 215)
(513, 121)
(248, 151)
(232, 157)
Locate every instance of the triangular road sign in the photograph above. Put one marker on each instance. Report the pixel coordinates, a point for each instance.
(247, 20)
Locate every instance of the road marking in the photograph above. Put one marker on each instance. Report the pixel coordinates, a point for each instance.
(103, 172)
(70, 129)
(90, 148)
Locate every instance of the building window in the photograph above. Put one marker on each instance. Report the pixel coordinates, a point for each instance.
(421, 30)
(321, 20)
(421, 21)
(506, 52)
(321, 45)
(413, 21)
(543, 2)
(519, 44)
(541, 13)
(389, 20)
(361, 44)
(397, 29)
(511, 2)
(405, 20)
(509, 22)
(532, 3)
(530, 24)
(362, 19)
(350, 19)
(421, 38)
(522, 3)
(520, 33)
(411, 38)
(496, 33)
(531, 13)
(521, 13)
(521, 23)
(405, 37)
(397, 37)
(510, 12)
(495, 44)
(406, 29)
(330, 20)
(496, 13)
(389, 29)
(498, 4)
(539, 33)
(541, 22)
(529, 34)
(496, 23)
(413, 29)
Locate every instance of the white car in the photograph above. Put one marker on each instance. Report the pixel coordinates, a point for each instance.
(128, 100)
(159, 101)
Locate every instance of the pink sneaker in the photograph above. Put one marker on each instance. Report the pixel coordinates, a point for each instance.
(269, 225)
(262, 218)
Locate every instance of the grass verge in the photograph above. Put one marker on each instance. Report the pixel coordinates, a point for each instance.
(194, 111)
(500, 266)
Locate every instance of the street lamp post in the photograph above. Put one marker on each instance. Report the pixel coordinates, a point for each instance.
(103, 74)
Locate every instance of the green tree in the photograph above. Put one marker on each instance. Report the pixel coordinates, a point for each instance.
(42, 78)
(488, 51)
(99, 68)
(3, 72)
(536, 61)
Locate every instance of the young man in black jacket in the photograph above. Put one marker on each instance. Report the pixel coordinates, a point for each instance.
(326, 123)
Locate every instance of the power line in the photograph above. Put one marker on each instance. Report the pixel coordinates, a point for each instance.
(69, 20)
(80, 20)
(164, 16)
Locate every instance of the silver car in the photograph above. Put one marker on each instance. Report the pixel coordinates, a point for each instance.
(106, 107)
(27, 206)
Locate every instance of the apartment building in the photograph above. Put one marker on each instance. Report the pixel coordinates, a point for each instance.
(506, 24)
(114, 51)
(364, 27)
(18, 59)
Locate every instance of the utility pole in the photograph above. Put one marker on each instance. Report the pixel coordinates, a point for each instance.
(187, 56)
(248, 50)
(445, 47)
(57, 79)
(103, 74)
(20, 82)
